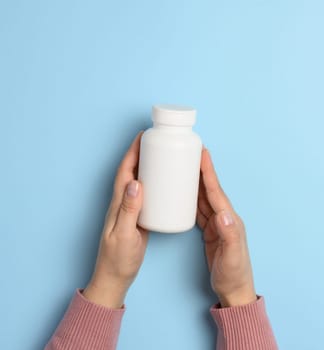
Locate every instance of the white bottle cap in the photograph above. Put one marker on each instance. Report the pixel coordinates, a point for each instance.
(173, 115)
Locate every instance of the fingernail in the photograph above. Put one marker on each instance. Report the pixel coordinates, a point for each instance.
(227, 218)
(132, 189)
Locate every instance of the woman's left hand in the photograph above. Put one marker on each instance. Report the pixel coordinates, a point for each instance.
(225, 240)
(123, 243)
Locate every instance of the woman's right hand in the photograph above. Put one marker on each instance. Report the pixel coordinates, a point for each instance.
(123, 242)
(225, 240)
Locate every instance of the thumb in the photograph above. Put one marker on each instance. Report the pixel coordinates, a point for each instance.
(130, 207)
(227, 227)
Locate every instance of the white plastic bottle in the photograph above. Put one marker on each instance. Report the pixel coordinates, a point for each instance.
(169, 168)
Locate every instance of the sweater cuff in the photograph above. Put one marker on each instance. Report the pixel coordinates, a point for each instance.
(244, 327)
(87, 325)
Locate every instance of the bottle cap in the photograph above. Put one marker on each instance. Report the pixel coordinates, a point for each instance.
(176, 115)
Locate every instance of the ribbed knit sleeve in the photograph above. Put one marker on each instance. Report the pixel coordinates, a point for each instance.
(245, 327)
(86, 326)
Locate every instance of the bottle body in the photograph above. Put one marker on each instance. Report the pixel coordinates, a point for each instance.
(169, 168)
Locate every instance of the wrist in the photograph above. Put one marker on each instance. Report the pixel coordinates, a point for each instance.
(237, 298)
(111, 294)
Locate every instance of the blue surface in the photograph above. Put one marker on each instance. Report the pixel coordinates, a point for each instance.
(77, 81)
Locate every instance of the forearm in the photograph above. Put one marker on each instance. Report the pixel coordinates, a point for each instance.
(245, 327)
(87, 325)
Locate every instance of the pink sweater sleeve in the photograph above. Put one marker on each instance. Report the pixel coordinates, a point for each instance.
(245, 327)
(86, 326)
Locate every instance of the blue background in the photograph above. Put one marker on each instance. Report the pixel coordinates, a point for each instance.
(77, 82)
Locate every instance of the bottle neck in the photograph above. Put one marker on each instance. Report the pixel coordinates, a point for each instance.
(172, 128)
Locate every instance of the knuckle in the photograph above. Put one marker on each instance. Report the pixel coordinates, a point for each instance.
(128, 206)
(106, 240)
(233, 236)
(241, 226)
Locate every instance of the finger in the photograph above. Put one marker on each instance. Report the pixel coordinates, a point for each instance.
(203, 203)
(127, 167)
(130, 160)
(129, 209)
(124, 175)
(211, 240)
(145, 235)
(228, 228)
(215, 194)
(201, 219)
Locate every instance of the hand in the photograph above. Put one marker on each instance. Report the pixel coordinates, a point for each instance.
(123, 243)
(225, 240)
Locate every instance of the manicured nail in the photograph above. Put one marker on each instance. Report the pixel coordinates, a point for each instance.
(132, 189)
(227, 218)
